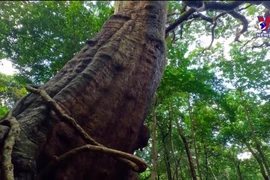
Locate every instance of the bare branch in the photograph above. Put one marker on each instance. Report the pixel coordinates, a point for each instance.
(173, 39)
(206, 18)
(245, 7)
(244, 23)
(266, 44)
(213, 36)
(180, 20)
(181, 30)
(204, 6)
(203, 17)
(172, 14)
(246, 43)
(213, 30)
(227, 7)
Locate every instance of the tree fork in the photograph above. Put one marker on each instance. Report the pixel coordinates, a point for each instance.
(108, 87)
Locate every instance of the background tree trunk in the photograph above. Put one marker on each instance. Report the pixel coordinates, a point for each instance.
(166, 154)
(192, 123)
(175, 160)
(254, 136)
(154, 150)
(107, 88)
(190, 161)
(263, 172)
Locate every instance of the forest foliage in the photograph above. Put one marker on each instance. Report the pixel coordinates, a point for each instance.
(216, 98)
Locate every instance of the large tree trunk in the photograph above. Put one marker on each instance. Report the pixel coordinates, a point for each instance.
(107, 88)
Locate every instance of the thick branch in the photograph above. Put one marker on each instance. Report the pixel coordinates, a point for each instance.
(222, 6)
(245, 7)
(254, 2)
(203, 17)
(203, 6)
(244, 23)
(180, 20)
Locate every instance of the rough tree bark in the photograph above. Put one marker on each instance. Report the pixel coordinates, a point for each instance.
(107, 88)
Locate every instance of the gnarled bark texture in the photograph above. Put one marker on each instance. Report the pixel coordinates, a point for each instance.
(107, 87)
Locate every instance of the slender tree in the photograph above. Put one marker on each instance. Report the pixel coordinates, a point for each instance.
(154, 150)
(189, 156)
